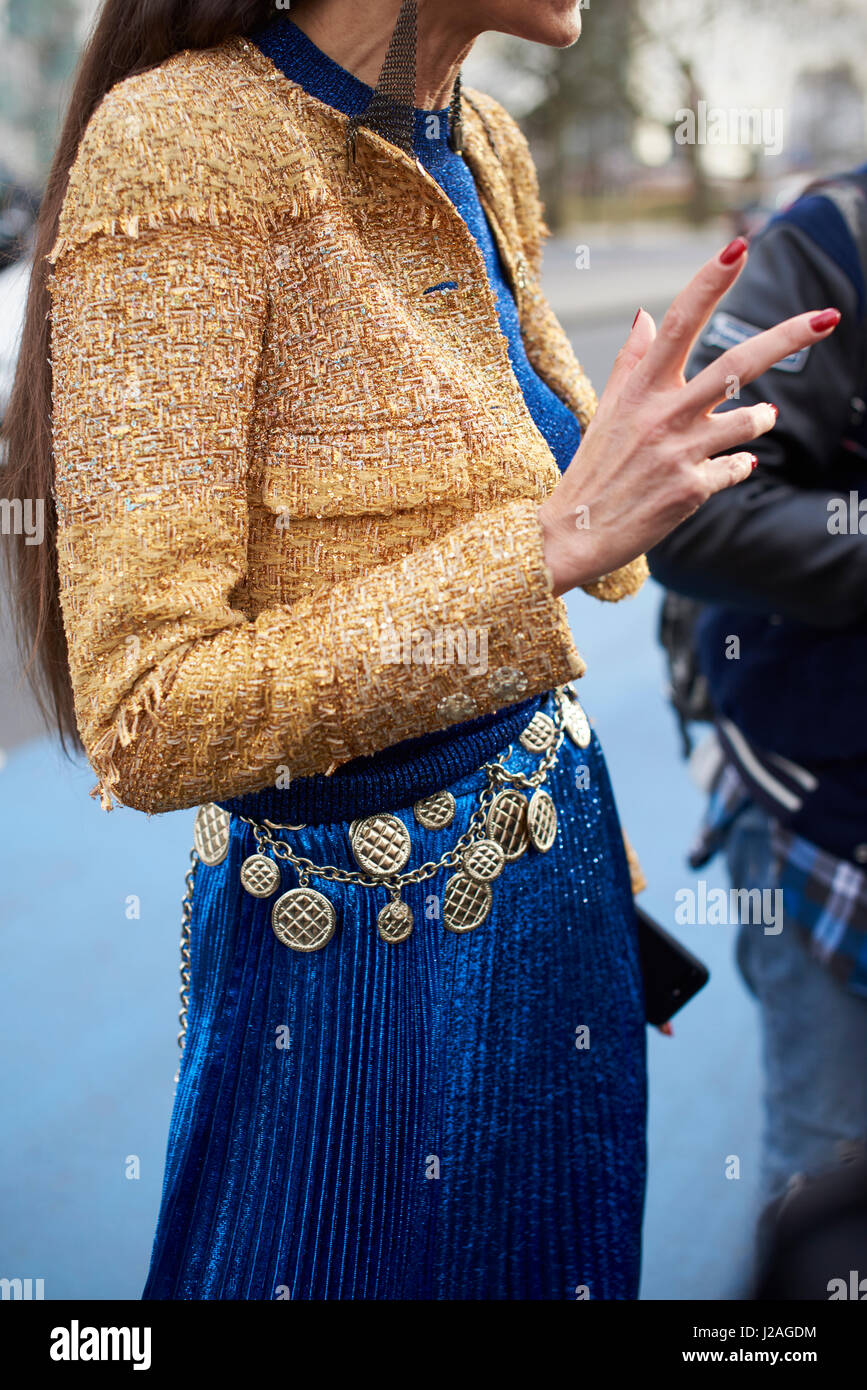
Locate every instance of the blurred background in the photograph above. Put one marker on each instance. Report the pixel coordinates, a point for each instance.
(671, 126)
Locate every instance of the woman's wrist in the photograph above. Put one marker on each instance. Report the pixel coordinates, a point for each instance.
(567, 551)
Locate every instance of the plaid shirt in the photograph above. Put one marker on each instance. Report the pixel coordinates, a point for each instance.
(824, 897)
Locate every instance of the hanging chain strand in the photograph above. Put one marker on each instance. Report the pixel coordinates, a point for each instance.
(186, 916)
(456, 120)
(391, 110)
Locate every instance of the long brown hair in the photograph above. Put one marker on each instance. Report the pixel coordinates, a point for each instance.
(129, 37)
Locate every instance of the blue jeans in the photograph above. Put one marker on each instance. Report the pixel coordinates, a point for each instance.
(814, 1031)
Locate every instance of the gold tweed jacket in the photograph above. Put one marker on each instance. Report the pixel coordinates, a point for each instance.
(273, 449)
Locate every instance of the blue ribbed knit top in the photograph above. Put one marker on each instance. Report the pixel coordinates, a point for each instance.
(401, 774)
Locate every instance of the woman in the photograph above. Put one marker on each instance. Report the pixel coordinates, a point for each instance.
(317, 476)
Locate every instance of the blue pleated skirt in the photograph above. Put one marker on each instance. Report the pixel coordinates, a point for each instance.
(451, 1117)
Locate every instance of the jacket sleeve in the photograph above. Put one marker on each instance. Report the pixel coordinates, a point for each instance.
(765, 545)
(180, 696)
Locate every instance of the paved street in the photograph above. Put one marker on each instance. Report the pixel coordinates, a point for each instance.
(88, 993)
(596, 279)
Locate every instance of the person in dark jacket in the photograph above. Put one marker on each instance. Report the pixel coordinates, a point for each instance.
(780, 567)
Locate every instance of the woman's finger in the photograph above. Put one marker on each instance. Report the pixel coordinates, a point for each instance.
(720, 433)
(723, 472)
(741, 364)
(641, 335)
(689, 312)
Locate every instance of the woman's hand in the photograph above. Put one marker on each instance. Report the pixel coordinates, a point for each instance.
(653, 452)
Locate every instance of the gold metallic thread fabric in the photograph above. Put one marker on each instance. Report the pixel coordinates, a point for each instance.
(272, 447)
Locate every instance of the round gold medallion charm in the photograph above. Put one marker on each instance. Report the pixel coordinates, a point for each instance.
(465, 903)
(381, 844)
(303, 919)
(576, 723)
(260, 875)
(394, 921)
(483, 861)
(435, 812)
(507, 823)
(211, 833)
(542, 820)
(539, 733)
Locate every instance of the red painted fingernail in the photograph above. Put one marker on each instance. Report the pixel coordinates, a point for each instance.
(829, 318)
(635, 320)
(667, 1029)
(733, 251)
(774, 409)
(753, 461)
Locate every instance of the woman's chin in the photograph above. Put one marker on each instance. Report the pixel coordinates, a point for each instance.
(555, 23)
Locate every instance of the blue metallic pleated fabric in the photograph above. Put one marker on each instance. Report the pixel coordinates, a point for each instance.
(415, 1121)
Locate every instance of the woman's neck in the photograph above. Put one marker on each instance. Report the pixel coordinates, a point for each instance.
(357, 37)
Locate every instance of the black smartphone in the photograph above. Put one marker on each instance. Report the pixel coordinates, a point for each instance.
(672, 974)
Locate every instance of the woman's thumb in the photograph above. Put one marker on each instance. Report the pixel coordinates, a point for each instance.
(640, 337)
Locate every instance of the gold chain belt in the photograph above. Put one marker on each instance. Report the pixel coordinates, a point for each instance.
(503, 825)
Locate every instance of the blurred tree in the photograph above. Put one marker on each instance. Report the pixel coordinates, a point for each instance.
(649, 60)
(661, 26)
(584, 108)
(587, 100)
(685, 34)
